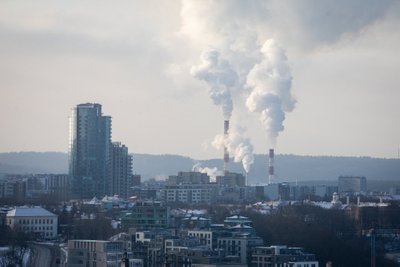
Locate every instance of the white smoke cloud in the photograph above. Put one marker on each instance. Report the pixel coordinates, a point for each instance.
(220, 77)
(212, 172)
(238, 25)
(271, 82)
(238, 145)
(238, 29)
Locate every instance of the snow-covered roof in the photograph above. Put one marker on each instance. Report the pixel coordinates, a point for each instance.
(93, 201)
(241, 226)
(113, 199)
(29, 212)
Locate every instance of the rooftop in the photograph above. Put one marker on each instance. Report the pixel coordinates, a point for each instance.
(29, 212)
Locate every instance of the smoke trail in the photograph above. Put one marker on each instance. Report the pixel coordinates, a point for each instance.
(212, 172)
(220, 77)
(238, 145)
(271, 83)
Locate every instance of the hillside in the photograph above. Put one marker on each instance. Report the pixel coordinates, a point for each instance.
(288, 167)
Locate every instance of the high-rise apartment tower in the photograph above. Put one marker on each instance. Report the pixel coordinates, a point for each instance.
(121, 171)
(89, 151)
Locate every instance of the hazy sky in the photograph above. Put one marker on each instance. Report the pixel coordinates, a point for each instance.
(143, 61)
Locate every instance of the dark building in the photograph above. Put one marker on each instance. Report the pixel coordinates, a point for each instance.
(136, 180)
(282, 256)
(121, 171)
(89, 151)
(146, 215)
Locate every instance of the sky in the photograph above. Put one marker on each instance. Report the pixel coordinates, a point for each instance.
(305, 77)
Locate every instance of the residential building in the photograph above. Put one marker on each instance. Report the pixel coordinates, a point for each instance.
(231, 179)
(149, 245)
(190, 193)
(352, 184)
(235, 220)
(325, 191)
(188, 178)
(205, 237)
(13, 188)
(58, 185)
(240, 245)
(189, 187)
(282, 256)
(89, 151)
(146, 215)
(100, 253)
(121, 171)
(136, 180)
(35, 220)
(231, 187)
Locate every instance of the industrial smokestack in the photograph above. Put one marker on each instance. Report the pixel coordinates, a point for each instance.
(271, 166)
(226, 153)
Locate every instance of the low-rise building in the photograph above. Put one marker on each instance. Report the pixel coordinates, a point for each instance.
(190, 193)
(277, 256)
(35, 220)
(100, 253)
(240, 245)
(146, 215)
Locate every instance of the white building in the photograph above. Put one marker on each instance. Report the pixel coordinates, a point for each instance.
(187, 193)
(33, 220)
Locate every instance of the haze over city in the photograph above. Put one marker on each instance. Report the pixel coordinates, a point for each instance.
(153, 66)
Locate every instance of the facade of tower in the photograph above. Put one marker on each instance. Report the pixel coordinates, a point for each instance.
(89, 151)
(122, 176)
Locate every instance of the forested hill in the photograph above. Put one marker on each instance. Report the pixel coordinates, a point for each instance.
(288, 167)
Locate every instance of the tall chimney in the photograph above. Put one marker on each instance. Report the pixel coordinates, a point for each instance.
(271, 166)
(226, 153)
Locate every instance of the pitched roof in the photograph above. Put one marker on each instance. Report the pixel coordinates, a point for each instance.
(29, 212)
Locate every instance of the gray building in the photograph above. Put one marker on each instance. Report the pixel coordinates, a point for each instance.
(352, 184)
(277, 256)
(146, 215)
(122, 176)
(89, 151)
(100, 253)
(189, 187)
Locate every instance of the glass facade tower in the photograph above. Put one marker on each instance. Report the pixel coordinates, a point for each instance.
(90, 151)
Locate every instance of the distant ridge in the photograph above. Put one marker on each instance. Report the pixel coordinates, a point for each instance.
(33, 162)
(289, 168)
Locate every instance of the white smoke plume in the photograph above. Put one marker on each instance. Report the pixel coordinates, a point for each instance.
(212, 172)
(238, 145)
(239, 25)
(221, 78)
(271, 83)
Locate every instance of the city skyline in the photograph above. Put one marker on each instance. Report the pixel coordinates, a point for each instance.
(143, 63)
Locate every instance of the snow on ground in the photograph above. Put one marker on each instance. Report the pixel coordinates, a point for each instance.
(27, 255)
